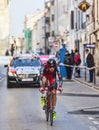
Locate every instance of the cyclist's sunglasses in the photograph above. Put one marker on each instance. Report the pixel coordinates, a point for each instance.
(51, 67)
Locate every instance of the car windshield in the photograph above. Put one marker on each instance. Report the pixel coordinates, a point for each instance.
(26, 62)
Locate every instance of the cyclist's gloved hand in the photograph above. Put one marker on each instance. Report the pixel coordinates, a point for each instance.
(41, 89)
(59, 88)
(46, 88)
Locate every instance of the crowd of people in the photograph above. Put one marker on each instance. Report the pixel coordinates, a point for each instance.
(72, 60)
(69, 59)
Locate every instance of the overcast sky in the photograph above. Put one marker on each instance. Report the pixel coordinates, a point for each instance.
(18, 10)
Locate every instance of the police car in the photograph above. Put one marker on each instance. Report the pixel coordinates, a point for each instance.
(24, 70)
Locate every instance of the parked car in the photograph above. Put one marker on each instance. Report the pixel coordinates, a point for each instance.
(24, 70)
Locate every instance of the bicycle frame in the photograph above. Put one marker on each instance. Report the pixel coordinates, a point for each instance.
(49, 104)
(49, 107)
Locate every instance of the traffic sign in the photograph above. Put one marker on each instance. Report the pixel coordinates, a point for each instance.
(83, 6)
(55, 44)
(51, 39)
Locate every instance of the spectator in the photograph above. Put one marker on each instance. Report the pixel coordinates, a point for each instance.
(72, 60)
(90, 64)
(72, 57)
(12, 49)
(62, 53)
(48, 51)
(68, 61)
(7, 53)
(57, 56)
(77, 60)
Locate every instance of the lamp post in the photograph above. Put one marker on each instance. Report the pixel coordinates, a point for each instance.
(45, 25)
(47, 5)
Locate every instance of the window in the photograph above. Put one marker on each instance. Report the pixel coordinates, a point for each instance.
(72, 19)
(52, 17)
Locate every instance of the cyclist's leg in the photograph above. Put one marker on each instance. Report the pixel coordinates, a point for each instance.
(54, 99)
(54, 94)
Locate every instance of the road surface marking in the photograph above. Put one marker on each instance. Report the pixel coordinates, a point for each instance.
(93, 128)
(95, 122)
(90, 118)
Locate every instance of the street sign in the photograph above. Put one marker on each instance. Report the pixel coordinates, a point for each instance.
(51, 39)
(83, 6)
(54, 38)
(55, 44)
(90, 45)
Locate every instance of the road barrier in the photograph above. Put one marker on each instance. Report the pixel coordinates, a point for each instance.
(85, 71)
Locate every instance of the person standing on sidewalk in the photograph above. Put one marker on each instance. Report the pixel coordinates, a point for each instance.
(90, 64)
(62, 52)
(68, 63)
(77, 60)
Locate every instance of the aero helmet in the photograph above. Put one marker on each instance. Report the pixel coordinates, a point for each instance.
(51, 63)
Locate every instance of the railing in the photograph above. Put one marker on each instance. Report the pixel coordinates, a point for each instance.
(84, 73)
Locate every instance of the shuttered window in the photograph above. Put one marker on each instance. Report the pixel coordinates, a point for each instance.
(72, 19)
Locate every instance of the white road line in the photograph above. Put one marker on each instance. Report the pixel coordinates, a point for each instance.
(92, 128)
(90, 118)
(1, 79)
(95, 122)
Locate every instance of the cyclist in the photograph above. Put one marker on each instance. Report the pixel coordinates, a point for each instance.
(49, 74)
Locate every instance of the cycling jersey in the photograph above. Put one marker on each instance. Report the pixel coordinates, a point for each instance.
(51, 76)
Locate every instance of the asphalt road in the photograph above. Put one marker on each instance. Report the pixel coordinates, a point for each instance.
(20, 109)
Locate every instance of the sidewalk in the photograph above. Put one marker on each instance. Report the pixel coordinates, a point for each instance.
(82, 80)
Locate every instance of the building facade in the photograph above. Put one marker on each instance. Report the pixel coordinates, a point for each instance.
(65, 20)
(4, 25)
(35, 22)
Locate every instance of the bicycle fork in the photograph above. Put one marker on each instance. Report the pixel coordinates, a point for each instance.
(51, 109)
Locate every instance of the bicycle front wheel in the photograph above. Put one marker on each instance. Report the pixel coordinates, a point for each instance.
(51, 111)
(46, 108)
(47, 114)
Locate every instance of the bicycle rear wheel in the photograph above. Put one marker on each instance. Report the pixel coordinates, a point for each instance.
(51, 117)
(47, 114)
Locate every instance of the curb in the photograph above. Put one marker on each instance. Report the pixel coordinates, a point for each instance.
(88, 84)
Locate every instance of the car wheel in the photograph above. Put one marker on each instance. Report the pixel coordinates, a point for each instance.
(38, 85)
(8, 84)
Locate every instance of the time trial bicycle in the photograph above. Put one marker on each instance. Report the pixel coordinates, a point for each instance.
(48, 105)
